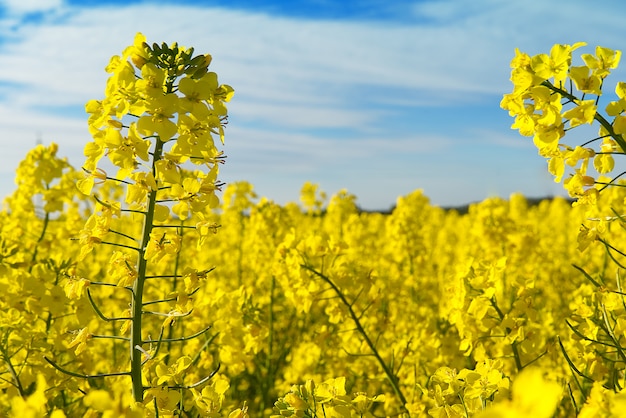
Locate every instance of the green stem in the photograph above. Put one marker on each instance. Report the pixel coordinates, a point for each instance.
(136, 339)
(393, 380)
(516, 355)
(170, 331)
(46, 220)
(269, 371)
(80, 375)
(601, 119)
(16, 379)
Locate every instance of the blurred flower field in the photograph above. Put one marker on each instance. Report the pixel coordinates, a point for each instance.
(454, 306)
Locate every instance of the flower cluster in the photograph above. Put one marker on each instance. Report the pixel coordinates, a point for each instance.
(551, 96)
(156, 125)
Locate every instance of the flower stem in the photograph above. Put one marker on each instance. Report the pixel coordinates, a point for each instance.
(136, 340)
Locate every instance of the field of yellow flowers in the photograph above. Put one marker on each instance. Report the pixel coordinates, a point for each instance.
(140, 286)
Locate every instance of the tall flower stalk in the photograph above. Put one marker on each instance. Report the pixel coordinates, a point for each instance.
(156, 126)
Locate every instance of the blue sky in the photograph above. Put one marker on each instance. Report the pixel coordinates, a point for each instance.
(378, 97)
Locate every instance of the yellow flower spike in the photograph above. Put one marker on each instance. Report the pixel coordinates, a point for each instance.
(146, 105)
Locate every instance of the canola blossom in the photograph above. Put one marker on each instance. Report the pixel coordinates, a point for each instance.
(139, 285)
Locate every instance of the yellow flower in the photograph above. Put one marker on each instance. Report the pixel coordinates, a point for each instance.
(160, 111)
(166, 400)
(210, 400)
(605, 60)
(143, 184)
(583, 112)
(240, 412)
(533, 396)
(617, 107)
(197, 92)
(586, 236)
(555, 65)
(74, 288)
(162, 244)
(35, 405)
(121, 269)
(137, 52)
(556, 166)
(96, 228)
(586, 82)
(80, 341)
(99, 400)
(172, 374)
